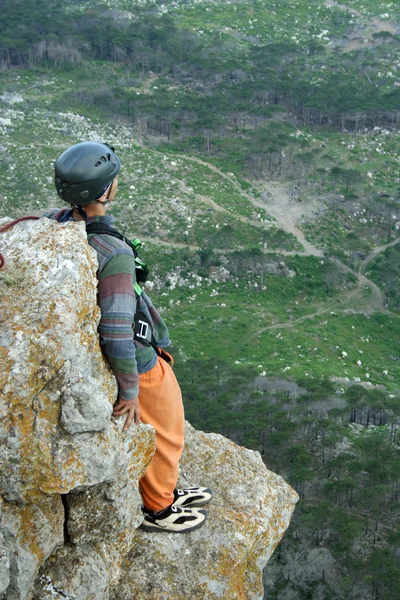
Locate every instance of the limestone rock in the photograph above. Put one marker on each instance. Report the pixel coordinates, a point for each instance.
(82, 574)
(249, 513)
(4, 566)
(219, 274)
(112, 511)
(31, 533)
(56, 397)
(50, 354)
(69, 475)
(102, 522)
(278, 268)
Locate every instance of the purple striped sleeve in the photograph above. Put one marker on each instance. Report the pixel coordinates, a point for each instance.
(117, 303)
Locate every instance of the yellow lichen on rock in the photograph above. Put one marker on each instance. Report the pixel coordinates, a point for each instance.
(69, 499)
(250, 512)
(56, 395)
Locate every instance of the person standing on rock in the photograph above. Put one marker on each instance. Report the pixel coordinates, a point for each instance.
(133, 336)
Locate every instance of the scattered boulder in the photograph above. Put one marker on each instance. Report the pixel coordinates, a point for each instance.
(278, 268)
(219, 274)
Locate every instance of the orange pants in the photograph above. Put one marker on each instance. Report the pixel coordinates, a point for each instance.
(161, 405)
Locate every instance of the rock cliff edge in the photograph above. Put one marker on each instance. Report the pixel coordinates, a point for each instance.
(69, 503)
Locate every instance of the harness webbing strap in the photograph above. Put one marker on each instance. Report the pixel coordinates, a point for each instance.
(137, 288)
(143, 331)
(98, 228)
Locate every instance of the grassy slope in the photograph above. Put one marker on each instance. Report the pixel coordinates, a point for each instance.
(171, 198)
(163, 196)
(300, 327)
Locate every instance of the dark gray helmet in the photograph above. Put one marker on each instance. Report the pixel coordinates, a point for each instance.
(83, 172)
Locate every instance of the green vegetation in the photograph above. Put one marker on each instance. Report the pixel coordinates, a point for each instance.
(338, 446)
(257, 90)
(240, 126)
(385, 272)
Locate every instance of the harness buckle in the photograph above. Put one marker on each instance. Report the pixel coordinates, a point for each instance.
(142, 330)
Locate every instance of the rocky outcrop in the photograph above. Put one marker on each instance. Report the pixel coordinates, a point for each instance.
(223, 560)
(70, 507)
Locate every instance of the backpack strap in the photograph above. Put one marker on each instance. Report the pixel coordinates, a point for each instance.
(100, 228)
(142, 271)
(143, 331)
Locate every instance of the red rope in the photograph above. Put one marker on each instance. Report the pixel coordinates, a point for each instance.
(8, 226)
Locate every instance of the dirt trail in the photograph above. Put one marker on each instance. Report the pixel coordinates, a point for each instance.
(362, 35)
(374, 254)
(279, 205)
(145, 87)
(217, 207)
(366, 297)
(376, 298)
(288, 212)
(171, 244)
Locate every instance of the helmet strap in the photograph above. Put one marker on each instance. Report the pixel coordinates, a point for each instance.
(82, 211)
(77, 208)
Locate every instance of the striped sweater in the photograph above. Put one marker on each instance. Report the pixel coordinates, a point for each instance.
(117, 300)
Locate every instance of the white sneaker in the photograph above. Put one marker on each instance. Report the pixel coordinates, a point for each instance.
(194, 496)
(174, 519)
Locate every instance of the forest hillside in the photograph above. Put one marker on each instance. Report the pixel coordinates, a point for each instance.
(261, 167)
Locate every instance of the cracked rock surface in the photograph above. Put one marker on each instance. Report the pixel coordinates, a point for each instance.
(69, 500)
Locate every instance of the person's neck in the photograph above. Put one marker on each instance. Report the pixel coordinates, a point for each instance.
(92, 210)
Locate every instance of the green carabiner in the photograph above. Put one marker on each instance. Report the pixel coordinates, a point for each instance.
(137, 244)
